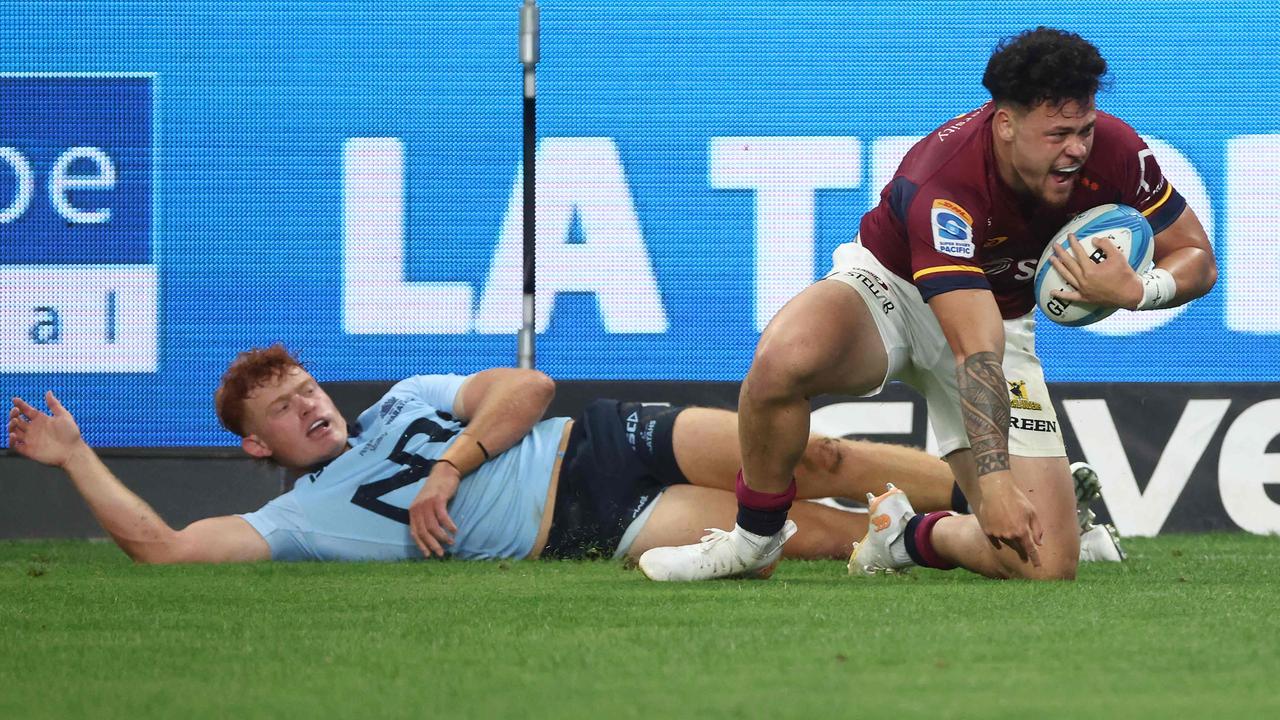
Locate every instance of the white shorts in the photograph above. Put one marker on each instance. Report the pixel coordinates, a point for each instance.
(919, 356)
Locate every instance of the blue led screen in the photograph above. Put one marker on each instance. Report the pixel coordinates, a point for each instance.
(183, 180)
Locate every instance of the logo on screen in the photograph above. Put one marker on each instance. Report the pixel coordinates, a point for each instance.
(76, 182)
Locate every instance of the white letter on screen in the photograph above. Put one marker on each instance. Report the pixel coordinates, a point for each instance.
(60, 182)
(1252, 272)
(580, 177)
(784, 172)
(375, 296)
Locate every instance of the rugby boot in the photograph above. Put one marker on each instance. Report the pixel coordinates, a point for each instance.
(1101, 543)
(1088, 489)
(720, 554)
(883, 549)
(1098, 543)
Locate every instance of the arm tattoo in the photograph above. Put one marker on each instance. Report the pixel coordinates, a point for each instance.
(984, 400)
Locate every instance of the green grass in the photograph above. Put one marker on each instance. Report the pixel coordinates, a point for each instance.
(1189, 627)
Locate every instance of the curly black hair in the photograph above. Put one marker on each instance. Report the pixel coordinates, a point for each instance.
(1044, 65)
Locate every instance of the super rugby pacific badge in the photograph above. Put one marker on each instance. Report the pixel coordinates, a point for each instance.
(952, 229)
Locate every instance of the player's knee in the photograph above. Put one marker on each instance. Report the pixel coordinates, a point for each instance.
(1052, 567)
(780, 370)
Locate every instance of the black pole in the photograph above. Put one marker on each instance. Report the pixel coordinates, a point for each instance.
(529, 58)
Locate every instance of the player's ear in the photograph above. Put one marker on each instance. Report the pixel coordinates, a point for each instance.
(1006, 124)
(255, 447)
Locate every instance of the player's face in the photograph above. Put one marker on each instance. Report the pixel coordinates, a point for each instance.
(1048, 146)
(293, 422)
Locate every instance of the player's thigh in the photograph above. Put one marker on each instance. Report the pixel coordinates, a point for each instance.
(1046, 481)
(823, 340)
(705, 443)
(683, 513)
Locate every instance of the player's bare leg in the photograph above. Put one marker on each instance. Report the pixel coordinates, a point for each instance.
(684, 513)
(705, 442)
(823, 340)
(943, 540)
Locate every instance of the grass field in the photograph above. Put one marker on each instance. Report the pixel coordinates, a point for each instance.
(1189, 627)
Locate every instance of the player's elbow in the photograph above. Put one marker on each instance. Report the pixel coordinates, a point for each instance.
(1208, 273)
(539, 386)
(172, 549)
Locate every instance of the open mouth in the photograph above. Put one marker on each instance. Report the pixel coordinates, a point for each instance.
(318, 427)
(1064, 174)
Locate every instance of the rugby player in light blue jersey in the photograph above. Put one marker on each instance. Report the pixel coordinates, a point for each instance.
(467, 467)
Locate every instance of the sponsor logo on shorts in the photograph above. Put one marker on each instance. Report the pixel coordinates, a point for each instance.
(879, 290)
(952, 229)
(1018, 396)
(644, 500)
(994, 241)
(633, 421)
(1033, 425)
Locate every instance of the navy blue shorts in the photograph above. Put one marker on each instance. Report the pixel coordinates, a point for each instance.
(619, 458)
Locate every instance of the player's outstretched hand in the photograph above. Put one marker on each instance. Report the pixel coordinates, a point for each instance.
(429, 520)
(1009, 518)
(49, 439)
(1110, 282)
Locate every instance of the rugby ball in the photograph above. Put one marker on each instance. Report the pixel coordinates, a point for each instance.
(1123, 226)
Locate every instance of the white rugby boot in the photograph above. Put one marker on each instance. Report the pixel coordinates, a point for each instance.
(720, 554)
(1101, 543)
(883, 549)
(1098, 543)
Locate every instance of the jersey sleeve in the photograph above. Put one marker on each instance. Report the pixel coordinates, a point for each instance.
(1143, 184)
(944, 242)
(283, 525)
(438, 391)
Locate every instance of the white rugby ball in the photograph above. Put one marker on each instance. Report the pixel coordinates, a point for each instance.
(1123, 226)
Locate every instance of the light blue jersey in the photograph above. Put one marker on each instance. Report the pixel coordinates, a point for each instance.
(355, 508)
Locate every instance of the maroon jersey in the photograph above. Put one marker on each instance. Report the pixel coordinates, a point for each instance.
(947, 221)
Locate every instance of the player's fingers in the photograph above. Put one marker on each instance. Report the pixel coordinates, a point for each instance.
(1018, 546)
(1071, 295)
(54, 404)
(415, 531)
(1037, 530)
(421, 519)
(1107, 247)
(432, 531)
(1062, 255)
(1030, 551)
(1066, 269)
(445, 520)
(440, 523)
(25, 408)
(1077, 250)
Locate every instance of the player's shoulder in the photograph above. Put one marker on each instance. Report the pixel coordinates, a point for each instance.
(953, 161)
(1113, 136)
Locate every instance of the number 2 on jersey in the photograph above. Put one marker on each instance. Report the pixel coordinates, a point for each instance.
(416, 467)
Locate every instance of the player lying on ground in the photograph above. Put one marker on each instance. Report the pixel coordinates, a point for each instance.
(464, 466)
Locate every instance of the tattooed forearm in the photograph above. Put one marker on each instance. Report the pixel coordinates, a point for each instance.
(985, 402)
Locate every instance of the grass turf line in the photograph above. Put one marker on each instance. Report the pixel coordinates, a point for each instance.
(1188, 627)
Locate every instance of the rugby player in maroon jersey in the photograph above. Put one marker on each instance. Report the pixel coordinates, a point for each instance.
(937, 291)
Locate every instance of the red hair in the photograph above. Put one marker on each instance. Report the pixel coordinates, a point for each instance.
(249, 371)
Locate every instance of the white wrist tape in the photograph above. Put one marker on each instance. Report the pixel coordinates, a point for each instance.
(1158, 289)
